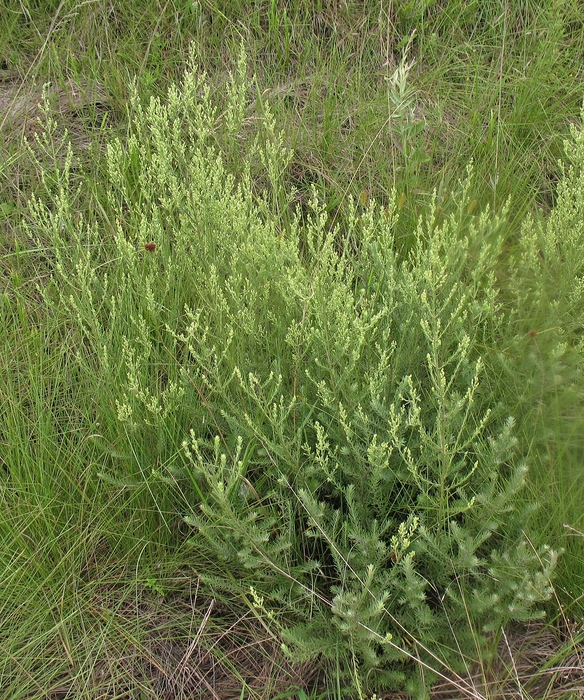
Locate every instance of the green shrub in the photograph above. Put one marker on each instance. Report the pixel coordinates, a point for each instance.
(315, 409)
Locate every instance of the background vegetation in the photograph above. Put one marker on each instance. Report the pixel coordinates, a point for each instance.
(251, 368)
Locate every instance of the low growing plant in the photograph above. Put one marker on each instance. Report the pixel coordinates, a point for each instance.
(316, 411)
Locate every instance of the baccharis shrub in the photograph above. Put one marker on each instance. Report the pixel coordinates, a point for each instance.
(340, 457)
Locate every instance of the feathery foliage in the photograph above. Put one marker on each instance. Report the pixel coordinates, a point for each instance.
(315, 407)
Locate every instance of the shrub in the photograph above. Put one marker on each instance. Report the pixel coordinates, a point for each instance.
(318, 403)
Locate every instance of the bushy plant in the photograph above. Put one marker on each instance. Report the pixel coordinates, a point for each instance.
(319, 405)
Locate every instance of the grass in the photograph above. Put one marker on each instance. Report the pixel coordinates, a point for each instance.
(100, 594)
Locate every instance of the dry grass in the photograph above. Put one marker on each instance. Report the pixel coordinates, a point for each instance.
(176, 647)
(194, 647)
(531, 662)
(72, 105)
